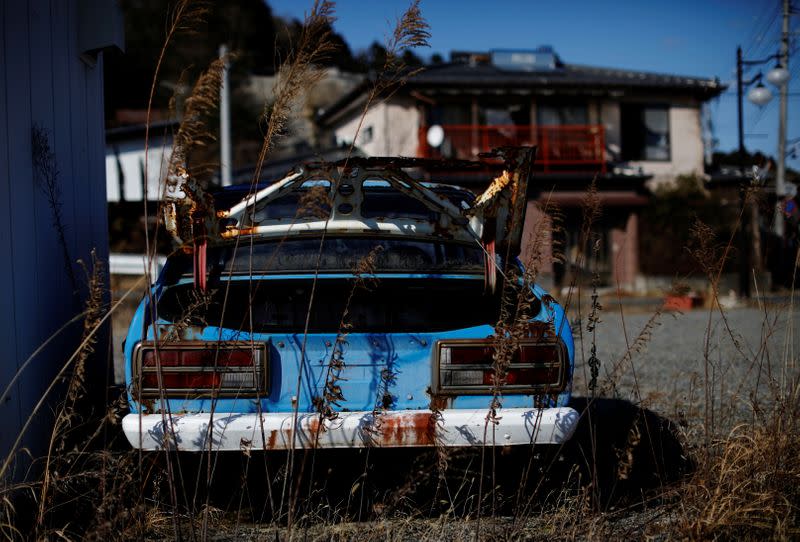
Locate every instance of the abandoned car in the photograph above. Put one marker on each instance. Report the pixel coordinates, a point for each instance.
(350, 304)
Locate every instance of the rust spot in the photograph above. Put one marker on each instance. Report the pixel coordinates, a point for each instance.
(232, 232)
(273, 437)
(148, 406)
(288, 435)
(439, 402)
(314, 428)
(416, 429)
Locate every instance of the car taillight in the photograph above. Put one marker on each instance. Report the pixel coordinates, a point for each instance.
(207, 357)
(201, 369)
(466, 367)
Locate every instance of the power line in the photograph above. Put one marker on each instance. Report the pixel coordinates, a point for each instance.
(754, 31)
(771, 36)
(757, 40)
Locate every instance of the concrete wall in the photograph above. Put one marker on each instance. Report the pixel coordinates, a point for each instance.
(51, 84)
(389, 129)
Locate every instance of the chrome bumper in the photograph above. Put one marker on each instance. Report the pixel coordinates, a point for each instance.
(402, 428)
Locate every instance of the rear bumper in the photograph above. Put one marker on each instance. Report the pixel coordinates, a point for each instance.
(403, 428)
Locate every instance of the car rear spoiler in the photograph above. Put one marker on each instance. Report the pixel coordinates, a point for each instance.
(494, 220)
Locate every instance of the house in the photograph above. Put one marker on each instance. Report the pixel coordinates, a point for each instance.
(631, 130)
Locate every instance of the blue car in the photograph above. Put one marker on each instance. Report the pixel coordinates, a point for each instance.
(347, 305)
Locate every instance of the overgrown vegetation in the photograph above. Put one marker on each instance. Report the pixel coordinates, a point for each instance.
(726, 468)
(670, 215)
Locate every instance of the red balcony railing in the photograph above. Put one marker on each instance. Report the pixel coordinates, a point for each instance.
(561, 148)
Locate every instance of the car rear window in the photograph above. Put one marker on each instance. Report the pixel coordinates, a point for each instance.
(386, 305)
(337, 254)
(380, 200)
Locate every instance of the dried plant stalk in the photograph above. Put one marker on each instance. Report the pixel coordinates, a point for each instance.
(299, 72)
(45, 168)
(193, 130)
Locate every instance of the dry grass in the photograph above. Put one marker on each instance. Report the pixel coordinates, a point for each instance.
(616, 480)
(747, 485)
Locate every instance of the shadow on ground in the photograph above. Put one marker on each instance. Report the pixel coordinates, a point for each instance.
(620, 454)
(625, 452)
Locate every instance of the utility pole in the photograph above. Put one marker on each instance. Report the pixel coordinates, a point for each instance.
(224, 121)
(744, 248)
(780, 174)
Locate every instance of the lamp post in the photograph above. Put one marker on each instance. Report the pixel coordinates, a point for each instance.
(759, 95)
(780, 77)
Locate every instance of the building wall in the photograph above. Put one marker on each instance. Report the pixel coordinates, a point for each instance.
(625, 254)
(686, 142)
(46, 86)
(392, 129)
(389, 129)
(125, 171)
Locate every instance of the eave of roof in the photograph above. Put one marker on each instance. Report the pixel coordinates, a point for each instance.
(567, 75)
(585, 78)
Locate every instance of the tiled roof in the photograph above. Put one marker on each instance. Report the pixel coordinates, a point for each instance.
(571, 75)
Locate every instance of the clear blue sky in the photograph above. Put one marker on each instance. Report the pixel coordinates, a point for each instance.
(679, 36)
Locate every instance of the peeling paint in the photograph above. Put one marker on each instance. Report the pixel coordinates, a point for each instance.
(400, 411)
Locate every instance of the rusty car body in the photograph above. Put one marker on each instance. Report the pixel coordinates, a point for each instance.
(347, 305)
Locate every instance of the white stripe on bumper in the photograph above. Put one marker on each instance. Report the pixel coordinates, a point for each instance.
(274, 431)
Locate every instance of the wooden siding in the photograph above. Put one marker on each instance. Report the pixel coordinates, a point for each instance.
(45, 84)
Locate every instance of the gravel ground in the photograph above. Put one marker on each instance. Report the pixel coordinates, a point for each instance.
(666, 368)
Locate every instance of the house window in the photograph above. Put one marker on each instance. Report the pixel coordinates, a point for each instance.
(366, 135)
(505, 114)
(644, 132)
(561, 114)
(449, 114)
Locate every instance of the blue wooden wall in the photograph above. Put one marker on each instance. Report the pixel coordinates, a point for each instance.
(45, 83)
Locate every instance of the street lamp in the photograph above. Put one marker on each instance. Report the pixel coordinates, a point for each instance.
(778, 75)
(759, 95)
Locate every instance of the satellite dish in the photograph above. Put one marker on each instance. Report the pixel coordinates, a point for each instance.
(435, 135)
